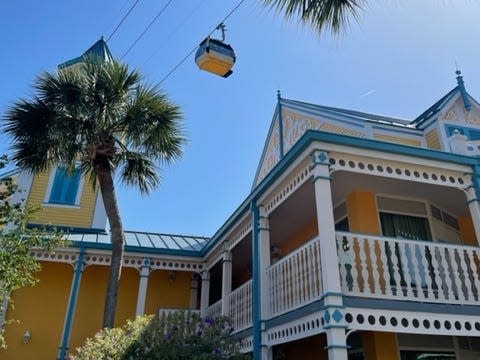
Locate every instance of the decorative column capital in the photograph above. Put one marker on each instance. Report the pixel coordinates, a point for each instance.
(205, 275)
(263, 223)
(320, 166)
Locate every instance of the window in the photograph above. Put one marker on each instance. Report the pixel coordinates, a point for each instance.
(471, 134)
(405, 226)
(65, 187)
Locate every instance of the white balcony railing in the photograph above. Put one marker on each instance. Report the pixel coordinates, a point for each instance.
(214, 310)
(295, 280)
(240, 307)
(379, 267)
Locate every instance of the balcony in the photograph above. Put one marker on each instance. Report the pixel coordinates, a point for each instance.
(409, 270)
(369, 267)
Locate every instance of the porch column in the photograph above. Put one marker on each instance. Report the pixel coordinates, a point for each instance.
(226, 279)
(334, 320)
(261, 261)
(473, 202)
(193, 292)
(142, 286)
(205, 292)
(72, 306)
(264, 239)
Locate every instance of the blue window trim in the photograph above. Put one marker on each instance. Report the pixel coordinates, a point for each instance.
(470, 133)
(64, 188)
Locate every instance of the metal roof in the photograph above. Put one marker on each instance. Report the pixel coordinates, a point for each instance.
(144, 240)
(98, 50)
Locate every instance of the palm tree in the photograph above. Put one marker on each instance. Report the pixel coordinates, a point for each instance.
(322, 15)
(104, 121)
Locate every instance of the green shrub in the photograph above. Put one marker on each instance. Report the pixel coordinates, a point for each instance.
(177, 336)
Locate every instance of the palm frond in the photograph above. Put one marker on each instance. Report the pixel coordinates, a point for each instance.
(334, 15)
(153, 124)
(138, 170)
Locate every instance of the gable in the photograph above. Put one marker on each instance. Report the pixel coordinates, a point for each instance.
(455, 112)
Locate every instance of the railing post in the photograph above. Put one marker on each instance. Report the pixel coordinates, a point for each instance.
(142, 286)
(205, 292)
(334, 319)
(226, 279)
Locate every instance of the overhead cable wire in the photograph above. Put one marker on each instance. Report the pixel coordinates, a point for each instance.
(196, 46)
(123, 19)
(147, 28)
(170, 35)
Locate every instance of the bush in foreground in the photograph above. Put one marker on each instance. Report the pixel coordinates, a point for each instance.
(176, 336)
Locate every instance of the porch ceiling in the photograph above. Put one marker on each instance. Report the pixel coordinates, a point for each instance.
(294, 214)
(450, 199)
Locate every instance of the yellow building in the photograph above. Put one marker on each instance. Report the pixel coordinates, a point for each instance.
(359, 240)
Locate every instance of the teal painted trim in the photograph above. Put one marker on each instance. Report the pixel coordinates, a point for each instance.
(476, 179)
(318, 177)
(427, 123)
(335, 326)
(331, 293)
(311, 136)
(337, 347)
(435, 107)
(256, 286)
(461, 85)
(332, 306)
(280, 124)
(72, 305)
(139, 249)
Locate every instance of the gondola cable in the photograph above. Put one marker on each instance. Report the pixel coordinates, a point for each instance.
(123, 19)
(147, 28)
(196, 46)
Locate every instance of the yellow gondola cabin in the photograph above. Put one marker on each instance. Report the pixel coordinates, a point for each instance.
(216, 57)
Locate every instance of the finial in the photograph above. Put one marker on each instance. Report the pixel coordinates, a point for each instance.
(463, 91)
(279, 96)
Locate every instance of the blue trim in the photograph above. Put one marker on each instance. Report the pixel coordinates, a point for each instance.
(461, 85)
(435, 107)
(256, 286)
(476, 180)
(337, 347)
(138, 249)
(72, 304)
(414, 306)
(280, 124)
(470, 133)
(335, 326)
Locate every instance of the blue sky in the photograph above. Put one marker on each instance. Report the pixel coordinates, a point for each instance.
(397, 60)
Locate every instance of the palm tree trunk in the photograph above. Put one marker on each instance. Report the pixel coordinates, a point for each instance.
(107, 189)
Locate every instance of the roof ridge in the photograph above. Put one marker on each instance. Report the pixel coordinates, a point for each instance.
(169, 234)
(352, 112)
(435, 107)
